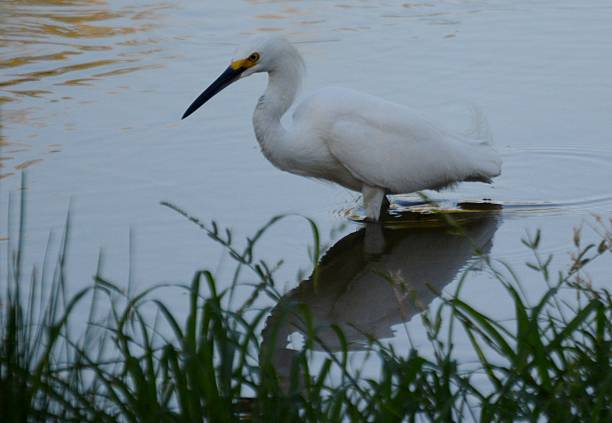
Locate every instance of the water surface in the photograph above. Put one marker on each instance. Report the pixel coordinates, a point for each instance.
(92, 94)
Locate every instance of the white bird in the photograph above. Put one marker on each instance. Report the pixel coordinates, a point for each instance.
(358, 141)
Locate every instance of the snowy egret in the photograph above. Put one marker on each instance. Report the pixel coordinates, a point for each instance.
(358, 141)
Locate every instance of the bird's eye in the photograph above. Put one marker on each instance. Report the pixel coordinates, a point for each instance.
(254, 57)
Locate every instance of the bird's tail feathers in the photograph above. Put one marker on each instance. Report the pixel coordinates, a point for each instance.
(490, 163)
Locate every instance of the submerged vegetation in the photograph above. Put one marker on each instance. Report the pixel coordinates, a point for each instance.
(133, 358)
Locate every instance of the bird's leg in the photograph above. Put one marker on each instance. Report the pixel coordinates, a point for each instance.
(374, 202)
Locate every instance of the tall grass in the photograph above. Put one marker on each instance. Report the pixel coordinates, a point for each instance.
(134, 359)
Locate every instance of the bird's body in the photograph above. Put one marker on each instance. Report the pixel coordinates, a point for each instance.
(382, 144)
(356, 140)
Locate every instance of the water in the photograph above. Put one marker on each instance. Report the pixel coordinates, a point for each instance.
(92, 94)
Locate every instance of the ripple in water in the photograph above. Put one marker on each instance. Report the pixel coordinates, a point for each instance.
(534, 181)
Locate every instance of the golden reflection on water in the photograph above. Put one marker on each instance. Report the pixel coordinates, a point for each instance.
(55, 33)
(47, 43)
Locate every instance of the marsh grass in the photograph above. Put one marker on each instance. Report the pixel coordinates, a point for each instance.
(134, 359)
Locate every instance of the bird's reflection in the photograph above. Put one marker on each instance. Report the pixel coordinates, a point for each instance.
(373, 279)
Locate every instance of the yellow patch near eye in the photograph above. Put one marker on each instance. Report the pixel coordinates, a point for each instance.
(242, 64)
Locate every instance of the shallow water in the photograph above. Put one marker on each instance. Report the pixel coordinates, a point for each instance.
(92, 94)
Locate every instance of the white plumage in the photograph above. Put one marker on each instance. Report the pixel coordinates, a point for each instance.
(359, 141)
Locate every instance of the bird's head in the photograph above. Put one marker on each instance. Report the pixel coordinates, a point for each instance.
(257, 54)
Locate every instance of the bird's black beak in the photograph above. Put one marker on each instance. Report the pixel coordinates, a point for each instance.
(230, 75)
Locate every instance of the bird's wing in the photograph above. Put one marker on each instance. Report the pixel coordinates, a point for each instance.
(399, 155)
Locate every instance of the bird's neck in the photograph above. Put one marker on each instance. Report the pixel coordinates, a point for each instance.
(283, 85)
